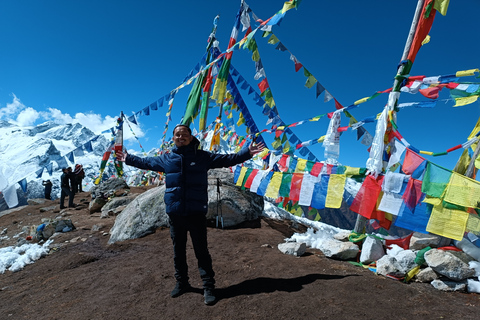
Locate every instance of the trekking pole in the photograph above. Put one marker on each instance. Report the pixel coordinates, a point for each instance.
(218, 204)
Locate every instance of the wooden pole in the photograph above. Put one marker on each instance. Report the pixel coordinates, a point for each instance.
(361, 220)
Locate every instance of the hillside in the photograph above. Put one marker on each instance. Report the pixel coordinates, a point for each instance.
(85, 278)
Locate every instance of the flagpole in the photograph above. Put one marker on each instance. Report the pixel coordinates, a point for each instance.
(393, 98)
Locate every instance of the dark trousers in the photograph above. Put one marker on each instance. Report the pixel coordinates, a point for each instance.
(66, 192)
(197, 226)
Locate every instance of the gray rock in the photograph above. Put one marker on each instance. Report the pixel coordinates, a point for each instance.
(110, 207)
(449, 285)
(372, 250)
(46, 209)
(292, 248)
(106, 188)
(141, 217)
(234, 205)
(405, 260)
(418, 241)
(386, 265)
(32, 202)
(426, 275)
(96, 205)
(451, 264)
(339, 250)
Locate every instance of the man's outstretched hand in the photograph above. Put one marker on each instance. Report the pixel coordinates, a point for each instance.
(121, 156)
(256, 148)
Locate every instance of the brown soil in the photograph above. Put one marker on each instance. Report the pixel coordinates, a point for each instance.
(88, 279)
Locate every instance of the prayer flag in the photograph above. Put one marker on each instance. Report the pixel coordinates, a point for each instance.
(320, 192)
(448, 222)
(435, 180)
(274, 185)
(336, 187)
(295, 186)
(366, 198)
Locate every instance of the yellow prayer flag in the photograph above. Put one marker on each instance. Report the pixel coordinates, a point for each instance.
(255, 55)
(315, 118)
(463, 162)
(441, 6)
(350, 171)
(361, 101)
(276, 143)
(462, 191)
(447, 222)
(473, 224)
(465, 100)
(274, 185)
(241, 120)
(378, 116)
(263, 153)
(241, 177)
(281, 128)
(286, 147)
(466, 73)
(301, 164)
(288, 5)
(426, 152)
(273, 39)
(433, 201)
(321, 139)
(426, 40)
(270, 102)
(336, 186)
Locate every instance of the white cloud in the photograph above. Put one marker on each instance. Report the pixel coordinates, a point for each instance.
(27, 117)
(8, 112)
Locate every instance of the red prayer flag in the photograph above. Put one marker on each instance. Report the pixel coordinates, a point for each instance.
(423, 28)
(342, 129)
(298, 66)
(316, 169)
(413, 193)
(411, 162)
(366, 199)
(295, 186)
(263, 85)
(250, 178)
(337, 104)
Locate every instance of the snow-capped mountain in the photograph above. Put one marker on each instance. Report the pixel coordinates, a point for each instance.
(24, 151)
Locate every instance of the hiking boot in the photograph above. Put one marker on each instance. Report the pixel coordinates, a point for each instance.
(180, 288)
(209, 296)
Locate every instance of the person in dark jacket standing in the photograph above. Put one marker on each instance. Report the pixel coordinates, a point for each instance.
(48, 189)
(186, 200)
(65, 183)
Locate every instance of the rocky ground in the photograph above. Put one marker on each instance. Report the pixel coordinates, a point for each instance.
(85, 278)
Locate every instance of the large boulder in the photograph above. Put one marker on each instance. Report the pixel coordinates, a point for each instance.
(147, 211)
(372, 250)
(141, 216)
(110, 207)
(107, 188)
(335, 249)
(234, 205)
(451, 264)
(444, 285)
(418, 241)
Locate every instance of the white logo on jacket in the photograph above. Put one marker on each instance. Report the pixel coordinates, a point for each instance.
(192, 163)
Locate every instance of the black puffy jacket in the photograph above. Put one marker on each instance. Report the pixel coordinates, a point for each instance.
(186, 179)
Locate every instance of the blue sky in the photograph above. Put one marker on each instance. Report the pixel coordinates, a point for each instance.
(86, 61)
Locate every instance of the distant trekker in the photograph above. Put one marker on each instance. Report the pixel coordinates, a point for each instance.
(79, 175)
(48, 189)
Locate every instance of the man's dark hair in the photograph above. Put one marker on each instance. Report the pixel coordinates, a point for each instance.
(183, 125)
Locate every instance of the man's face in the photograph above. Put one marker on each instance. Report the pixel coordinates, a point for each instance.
(181, 137)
